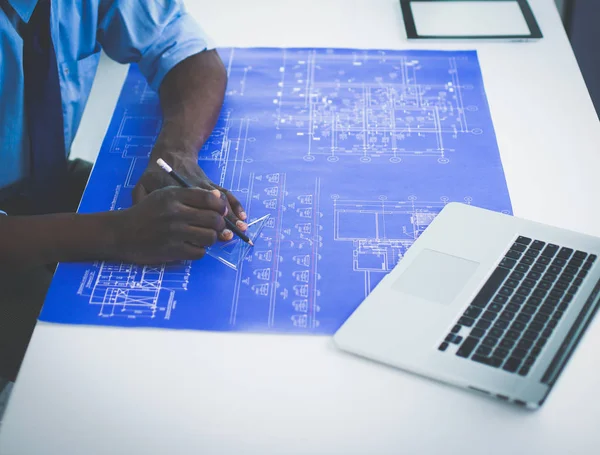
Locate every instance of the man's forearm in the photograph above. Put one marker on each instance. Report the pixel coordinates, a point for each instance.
(37, 240)
(191, 97)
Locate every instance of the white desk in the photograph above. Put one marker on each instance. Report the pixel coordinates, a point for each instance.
(114, 391)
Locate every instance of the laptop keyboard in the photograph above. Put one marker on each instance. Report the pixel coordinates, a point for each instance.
(517, 309)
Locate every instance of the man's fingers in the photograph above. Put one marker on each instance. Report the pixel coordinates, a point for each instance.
(199, 198)
(192, 252)
(198, 236)
(208, 219)
(236, 206)
(138, 193)
(226, 235)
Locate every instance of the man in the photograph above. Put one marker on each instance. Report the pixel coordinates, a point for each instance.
(49, 51)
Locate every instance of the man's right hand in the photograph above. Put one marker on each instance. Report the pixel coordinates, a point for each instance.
(169, 224)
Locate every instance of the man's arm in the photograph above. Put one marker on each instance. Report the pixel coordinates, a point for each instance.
(37, 240)
(170, 224)
(170, 49)
(191, 97)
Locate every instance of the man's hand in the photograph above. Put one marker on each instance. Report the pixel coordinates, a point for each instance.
(191, 96)
(170, 224)
(155, 178)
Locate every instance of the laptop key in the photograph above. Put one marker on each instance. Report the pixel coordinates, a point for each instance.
(468, 322)
(554, 269)
(580, 254)
(443, 346)
(522, 268)
(501, 353)
(518, 247)
(540, 292)
(525, 344)
(511, 365)
(524, 370)
(575, 263)
(477, 333)
(541, 263)
(518, 299)
(559, 262)
(512, 307)
(508, 263)
(524, 291)
(586, 266)
(506, 291)
(490, 341)
(523, 240)
(512, 335)
(550, 250)
(527, 260)
(491, 361)
(516, 276)
(564, 253)
(472, 312)
(524, 318)
(496, 332)
(517, 326)
(500, 299)
(507, 344)
(483, 324)
(519, 353)
(538, 244)
(512, 254)
(551, 277)
(455, 329)
(534, 275)
(582, 274)
(511, 283)
(489, 315)
(501, 324)
(467, 347)
(537, 326)
(532, 253)
(483, 351)
(507, 315)
(572, 270)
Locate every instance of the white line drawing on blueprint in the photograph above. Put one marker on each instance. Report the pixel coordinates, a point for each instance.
(387, 117)
(284, 268)
(132, 291)
(381, 231)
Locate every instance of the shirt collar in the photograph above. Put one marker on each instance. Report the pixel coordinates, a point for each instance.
(24, 8)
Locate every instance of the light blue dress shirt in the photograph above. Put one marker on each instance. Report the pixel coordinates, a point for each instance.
(156, 34)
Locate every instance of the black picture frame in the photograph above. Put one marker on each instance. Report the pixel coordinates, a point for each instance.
(411, 29)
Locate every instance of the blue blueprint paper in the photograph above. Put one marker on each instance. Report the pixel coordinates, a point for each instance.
(351, 152)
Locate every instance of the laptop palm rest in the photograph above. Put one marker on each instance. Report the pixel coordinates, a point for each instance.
(436, 277)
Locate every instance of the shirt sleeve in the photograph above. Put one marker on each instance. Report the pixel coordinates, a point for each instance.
(155, 34)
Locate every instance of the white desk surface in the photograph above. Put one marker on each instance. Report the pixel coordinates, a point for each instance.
(114, 391)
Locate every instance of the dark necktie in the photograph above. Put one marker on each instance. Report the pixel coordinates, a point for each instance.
(44, 111)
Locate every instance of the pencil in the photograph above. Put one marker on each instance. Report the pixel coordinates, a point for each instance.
(179, 179)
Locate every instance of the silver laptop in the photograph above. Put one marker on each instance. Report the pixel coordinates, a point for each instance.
(484, 301)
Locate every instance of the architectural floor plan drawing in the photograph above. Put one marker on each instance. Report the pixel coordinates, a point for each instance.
(351, 153)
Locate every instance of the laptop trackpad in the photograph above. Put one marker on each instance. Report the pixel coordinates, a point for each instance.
(435, 276)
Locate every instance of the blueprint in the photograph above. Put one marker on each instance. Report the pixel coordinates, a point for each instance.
(351, 153)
